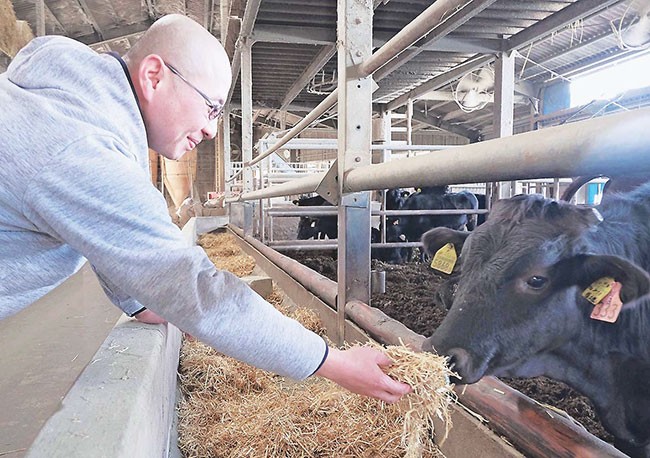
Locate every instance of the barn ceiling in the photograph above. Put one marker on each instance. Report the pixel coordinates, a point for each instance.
(294, 58)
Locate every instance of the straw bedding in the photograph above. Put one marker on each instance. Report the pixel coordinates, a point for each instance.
(14, 34)
(230, 409)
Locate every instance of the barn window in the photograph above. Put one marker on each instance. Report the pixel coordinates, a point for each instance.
(610, 82)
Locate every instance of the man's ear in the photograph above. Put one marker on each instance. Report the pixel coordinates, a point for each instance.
(150, 73)
(438, 237)
(584, 269)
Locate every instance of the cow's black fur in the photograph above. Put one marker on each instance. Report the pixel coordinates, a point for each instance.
(433, 199)
(519, 311)
(316, 227)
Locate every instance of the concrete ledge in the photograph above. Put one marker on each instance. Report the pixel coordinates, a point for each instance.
(202, 224)
(261, 284)
(122, 405)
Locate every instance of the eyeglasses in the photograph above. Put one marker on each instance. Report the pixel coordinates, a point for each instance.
(215, 108)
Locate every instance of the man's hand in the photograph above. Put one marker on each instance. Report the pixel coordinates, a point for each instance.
(358, 370)
(147, 316)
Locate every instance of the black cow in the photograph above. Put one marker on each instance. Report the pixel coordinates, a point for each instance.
(316, 227)
(519, 312)
(437, 198)
(395, 198)
(389, 255)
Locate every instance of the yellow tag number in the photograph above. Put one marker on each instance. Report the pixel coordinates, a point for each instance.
(445, 259)
(597, 291)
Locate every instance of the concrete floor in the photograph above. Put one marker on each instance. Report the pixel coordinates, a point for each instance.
(44, 348)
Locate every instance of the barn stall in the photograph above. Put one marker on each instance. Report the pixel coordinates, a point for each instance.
(563, 152)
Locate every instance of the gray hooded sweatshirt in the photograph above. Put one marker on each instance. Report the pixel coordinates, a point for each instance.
(75, 186)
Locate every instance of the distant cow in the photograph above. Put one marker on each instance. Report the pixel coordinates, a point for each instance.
(393, 255)
(519, 312)
(437, 198)
(395, 198)
(316, 227)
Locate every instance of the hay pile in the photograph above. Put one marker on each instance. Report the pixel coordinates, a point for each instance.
(230, 409)
(14, 34)
(223, 251)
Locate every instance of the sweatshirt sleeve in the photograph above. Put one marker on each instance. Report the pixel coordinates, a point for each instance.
(104, 206)
(121, 300)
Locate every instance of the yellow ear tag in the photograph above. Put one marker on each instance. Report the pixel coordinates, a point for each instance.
(445, 259)
(597, 291)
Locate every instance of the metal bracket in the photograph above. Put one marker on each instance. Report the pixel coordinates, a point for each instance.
(357, 199)
(328, 188)
(373, 84)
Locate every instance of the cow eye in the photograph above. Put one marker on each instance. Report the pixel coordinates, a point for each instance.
(537, 282)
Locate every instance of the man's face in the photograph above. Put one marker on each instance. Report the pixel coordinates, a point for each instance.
(184, 113)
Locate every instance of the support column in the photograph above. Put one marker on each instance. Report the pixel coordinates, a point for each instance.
(225, 134)
(354, 29)
(504, 99)
(40, 17)
(247, 113)
(409, 125)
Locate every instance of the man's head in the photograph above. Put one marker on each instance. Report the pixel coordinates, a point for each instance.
(181, 75)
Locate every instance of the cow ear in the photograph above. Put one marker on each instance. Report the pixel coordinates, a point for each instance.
(438, 237)
(584, 269)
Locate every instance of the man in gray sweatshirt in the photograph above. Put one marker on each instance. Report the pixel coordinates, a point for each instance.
(74, 186)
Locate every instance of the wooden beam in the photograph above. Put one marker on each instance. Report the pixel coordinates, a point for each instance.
(40, 17)
(50, 15)
(87, 11)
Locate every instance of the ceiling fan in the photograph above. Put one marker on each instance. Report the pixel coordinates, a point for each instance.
(474, 89)
(633, 28)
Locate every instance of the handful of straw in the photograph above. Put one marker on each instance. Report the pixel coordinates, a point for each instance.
(428, 375)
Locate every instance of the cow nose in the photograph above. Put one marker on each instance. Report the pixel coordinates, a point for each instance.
(459, 362)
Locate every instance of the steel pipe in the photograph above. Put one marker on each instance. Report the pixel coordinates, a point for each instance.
(318, 212)
(302, 211)
(319, 285)
(308, 242)
(427, 21)
(294, 187)
(322, 107)
(610, 144)
(305, 247)
(464, 211)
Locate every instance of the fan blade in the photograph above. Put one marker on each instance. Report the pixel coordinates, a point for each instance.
(638, 34)
(485, 81)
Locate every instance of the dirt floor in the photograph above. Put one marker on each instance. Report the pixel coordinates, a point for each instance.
(415, 295)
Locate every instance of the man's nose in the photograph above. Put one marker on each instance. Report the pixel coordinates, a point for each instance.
(209, 131)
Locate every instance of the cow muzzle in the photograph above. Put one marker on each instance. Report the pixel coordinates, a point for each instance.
(460, 361)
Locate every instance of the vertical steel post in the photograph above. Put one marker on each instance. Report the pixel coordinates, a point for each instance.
(354, 29)
(409, 125)
(225, 133)
(504, 103)
(247, 117)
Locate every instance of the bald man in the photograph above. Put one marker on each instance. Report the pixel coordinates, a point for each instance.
(75, 186)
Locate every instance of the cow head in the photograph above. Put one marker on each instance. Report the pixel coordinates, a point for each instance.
(308, 228)
(521, 276)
